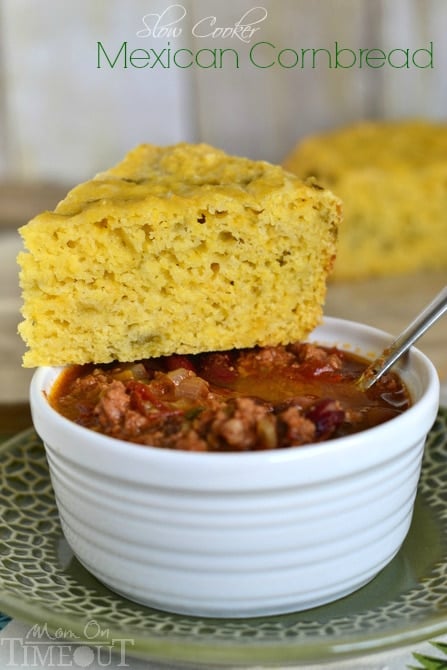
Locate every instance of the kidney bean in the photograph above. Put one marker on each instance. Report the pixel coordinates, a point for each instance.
(327, 415)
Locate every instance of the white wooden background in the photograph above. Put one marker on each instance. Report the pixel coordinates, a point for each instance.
(63, 119)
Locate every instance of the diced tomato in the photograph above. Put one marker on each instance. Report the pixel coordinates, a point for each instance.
(141, 395)
(178, 361)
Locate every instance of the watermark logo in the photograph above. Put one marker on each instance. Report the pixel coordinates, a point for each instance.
(65, 649)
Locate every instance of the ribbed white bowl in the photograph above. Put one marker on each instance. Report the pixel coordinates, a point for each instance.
(243, 534)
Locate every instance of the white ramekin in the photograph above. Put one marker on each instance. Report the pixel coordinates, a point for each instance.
(241, 534)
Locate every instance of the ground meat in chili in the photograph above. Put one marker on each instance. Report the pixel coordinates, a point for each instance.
(239, 400)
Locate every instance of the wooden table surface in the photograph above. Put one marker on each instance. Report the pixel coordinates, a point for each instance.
(391, 303)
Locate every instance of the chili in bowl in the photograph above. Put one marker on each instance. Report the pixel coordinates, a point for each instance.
(238, 483)
(239, 400)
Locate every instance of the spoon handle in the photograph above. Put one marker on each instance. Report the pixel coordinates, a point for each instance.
(405, 340)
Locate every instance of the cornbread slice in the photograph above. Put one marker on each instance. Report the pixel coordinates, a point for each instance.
(178, 249)
(392, 179)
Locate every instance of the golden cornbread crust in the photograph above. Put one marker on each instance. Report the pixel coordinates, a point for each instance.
(177, 249)
(392, 179)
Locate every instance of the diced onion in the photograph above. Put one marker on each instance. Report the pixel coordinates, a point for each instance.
(178, 375)
(192, 387)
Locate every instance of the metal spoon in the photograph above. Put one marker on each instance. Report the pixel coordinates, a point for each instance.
(404, 341)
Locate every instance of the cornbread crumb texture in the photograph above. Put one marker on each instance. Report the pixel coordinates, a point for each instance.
(177, 249)
(392, 179)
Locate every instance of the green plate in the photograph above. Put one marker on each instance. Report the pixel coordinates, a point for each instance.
(41, 582)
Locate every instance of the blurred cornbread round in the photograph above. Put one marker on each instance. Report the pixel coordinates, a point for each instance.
(392, 179)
